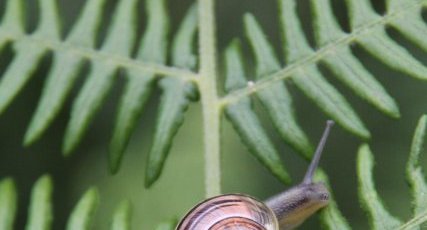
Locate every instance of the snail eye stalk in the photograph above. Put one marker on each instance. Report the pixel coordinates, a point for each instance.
(308, 178)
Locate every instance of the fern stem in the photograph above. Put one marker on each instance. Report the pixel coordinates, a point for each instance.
(209, 98)
(97, 55)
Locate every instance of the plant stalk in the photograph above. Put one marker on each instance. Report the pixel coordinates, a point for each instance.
(209, 97)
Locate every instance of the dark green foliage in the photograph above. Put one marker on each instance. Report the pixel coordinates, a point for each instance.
(138, 88)
(181, 83)
(244, 119)
(8, 203)
(371, 202)
(379, 218)
(41, 213)
(121, 218)
(330, 217)
(177, 95)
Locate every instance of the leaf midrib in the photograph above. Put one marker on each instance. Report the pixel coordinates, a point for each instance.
(98, 55)
(317, 55)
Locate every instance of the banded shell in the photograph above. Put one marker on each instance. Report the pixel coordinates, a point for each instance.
(229, 212)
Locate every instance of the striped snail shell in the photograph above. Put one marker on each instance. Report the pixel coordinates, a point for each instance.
(230, 212)
(284, 211)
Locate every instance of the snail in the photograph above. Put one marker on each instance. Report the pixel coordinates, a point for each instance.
(284, 211)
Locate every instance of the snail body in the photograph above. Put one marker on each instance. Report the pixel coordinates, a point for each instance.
(284, 211)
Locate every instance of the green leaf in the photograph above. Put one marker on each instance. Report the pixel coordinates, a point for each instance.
(330, 217)
(119, 40)
(414, 173)
(8, 203)
(83, 212)
(413, 28)
(361, 13)
(28, 54)
(328, 99)
(309, 79)
(345, 66)
(352, 73)
(379, 218)
(276, 99)
(63, 73)
(13, 20)
(244, 119)
(40, 213)
(326, 27)
(121, 217)
(49, 25)
(379, 45)
(394, 5)
(294, 42)
(18, 73)
(138, 88)
(177, 95)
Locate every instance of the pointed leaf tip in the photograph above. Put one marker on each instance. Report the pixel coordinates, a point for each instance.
(312, 83)
(153, 48)
(8, 203)
(40, 214)
(122, 216)
(151, 176)
(175, 100)
(82, 214)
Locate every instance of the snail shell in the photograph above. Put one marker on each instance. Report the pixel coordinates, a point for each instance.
(230, 212)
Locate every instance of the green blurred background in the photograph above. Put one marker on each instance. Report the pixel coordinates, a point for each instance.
(181, 184)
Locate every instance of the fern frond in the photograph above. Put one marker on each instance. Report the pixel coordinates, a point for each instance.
(331, 217)
(345, 66)
(379, 217)
(181, 83)
(28, 54)
(177, 95)
(63, 72)
(333, 49)
(121, 217)
(70, 54)
(84, 211)
(276, 100)
(244, 119)
(370, 200)
(40, 212)
(119, 40)
(8, 203)
(414, 173)
(153, 48)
